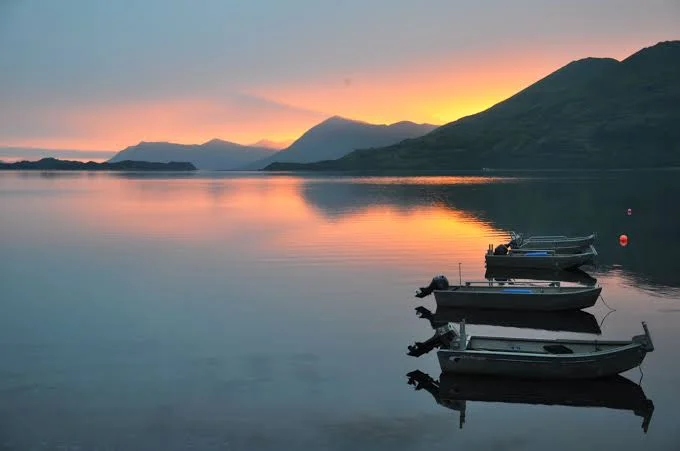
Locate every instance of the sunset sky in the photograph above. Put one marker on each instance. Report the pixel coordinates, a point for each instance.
(102, 75)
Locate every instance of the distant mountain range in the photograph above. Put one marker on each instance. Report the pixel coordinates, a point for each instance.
(332, 138)
(337, 136)
(66, 165)
(591, 113)
(215, 154)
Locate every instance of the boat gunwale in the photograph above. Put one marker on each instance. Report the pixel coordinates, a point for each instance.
(564, 239)
(549, 238)
(500, 354)
(554, 341)
(568, 290)
(558, 260)
(513, 283)
(551, 253)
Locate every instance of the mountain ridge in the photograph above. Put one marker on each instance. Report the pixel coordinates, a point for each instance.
(216, 154)
(590, 113)
(337, 136)
(271, 144)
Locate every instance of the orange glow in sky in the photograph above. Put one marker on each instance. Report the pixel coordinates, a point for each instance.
(183, 120)
(105, 77)
(433, 91)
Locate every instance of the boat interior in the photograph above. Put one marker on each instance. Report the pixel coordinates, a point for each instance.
(541, 346)
(547, 251)
(550, 238)
(537, 252)
(518, 288)
(561, 239)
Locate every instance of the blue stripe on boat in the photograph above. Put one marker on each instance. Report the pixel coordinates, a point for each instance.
(517, 290)
(535, 254)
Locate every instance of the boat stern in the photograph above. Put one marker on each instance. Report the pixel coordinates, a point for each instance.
(645, 340)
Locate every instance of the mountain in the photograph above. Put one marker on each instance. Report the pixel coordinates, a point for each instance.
(274, 145)
(591, 113)
(215, 154)
(67, 165)
(338, 136)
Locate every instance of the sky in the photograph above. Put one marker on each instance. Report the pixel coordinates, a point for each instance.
(103, 75)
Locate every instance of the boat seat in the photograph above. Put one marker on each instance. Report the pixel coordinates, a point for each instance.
(557, 349)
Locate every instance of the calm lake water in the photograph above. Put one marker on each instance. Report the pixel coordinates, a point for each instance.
(221, 311)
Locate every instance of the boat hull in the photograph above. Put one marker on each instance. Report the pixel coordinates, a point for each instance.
(520, 298)
(574, 275)
(550, 261)
(542, 366)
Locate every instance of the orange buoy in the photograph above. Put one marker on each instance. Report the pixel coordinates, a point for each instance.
(623, 240)
(630, 211)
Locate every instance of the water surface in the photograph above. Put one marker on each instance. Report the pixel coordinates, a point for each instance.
(262, 312)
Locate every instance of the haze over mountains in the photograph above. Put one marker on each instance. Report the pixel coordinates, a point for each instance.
(332, 138)
(215, 154)
(591, 113)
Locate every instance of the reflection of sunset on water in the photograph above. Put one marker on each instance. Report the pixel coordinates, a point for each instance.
(194, 274)
(226, 209)
(417, 226)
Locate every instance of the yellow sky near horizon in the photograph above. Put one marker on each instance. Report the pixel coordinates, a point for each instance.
(435, 91)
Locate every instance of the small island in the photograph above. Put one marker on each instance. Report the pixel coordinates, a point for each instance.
(53, 164)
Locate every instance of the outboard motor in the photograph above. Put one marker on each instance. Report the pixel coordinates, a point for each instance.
(438, 283)
(501, 249)
(515, 240)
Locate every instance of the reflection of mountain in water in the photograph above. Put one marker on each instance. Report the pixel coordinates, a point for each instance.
(338, 197)
(453, 392)
(555, 204)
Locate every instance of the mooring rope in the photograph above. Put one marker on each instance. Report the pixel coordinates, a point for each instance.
(611, 310)
(605, 303)
(604, 318)
(642, 374)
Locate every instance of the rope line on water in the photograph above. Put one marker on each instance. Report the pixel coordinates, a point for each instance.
(611, 310)
(605, 317)
(642, 374)
(605, 303)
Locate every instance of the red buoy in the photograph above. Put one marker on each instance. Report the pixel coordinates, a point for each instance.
(623, 240)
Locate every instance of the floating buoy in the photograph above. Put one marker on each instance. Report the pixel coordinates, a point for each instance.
(630, 211)
(623, 240)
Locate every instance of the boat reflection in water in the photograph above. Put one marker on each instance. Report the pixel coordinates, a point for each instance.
(568, 321)
(574, 275)
(453, 392)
